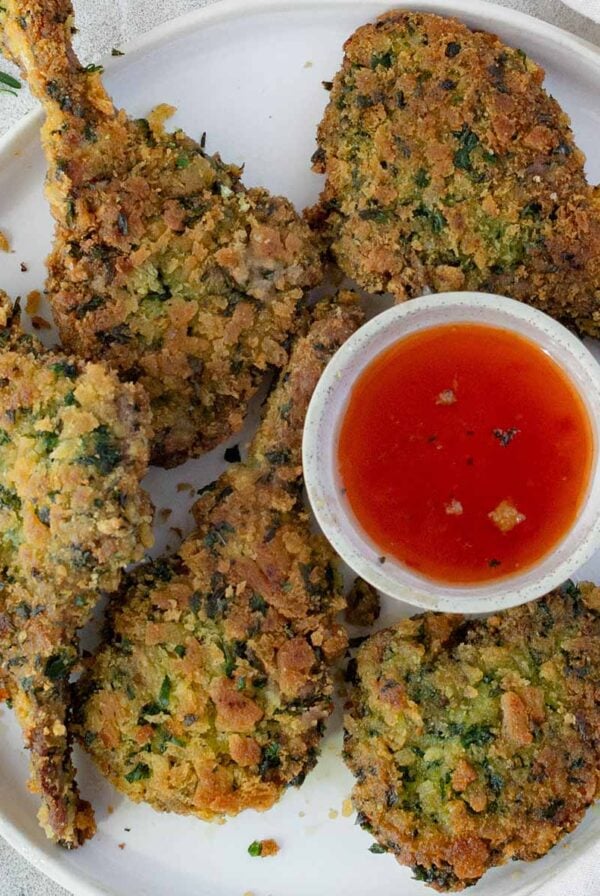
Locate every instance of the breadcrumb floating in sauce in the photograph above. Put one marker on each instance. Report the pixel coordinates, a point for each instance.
(452, 466)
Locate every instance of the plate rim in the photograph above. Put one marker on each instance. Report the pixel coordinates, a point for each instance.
(27, 130)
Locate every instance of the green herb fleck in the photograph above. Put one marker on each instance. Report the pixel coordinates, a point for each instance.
(92, 305)
(258, 604)
(385, 60)
(164, 696)
(467, 141)
(380, 215)
(102, 451)
(255, 848)
(230, 659)
(269, 759)
(64, 368)
(58, 666)
(140, 773)
(8, 81)
(9, 499)
(436, 220)
(218, 535)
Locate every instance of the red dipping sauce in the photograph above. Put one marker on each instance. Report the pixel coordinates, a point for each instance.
(465, 452)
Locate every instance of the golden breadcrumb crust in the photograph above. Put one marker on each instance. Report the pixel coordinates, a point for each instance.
(211, 693)
(449, 167)
(164, 264)
(477, 742)
(74, 445)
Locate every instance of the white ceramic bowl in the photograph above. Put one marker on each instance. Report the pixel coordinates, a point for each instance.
(321, 433)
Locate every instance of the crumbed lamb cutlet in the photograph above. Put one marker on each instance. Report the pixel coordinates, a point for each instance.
(164, 264)
(477, 742)
(211, 692)
(449, 167)
(74, 445)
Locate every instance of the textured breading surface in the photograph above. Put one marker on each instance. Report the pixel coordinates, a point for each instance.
(73, 448)
(164, 264)
(449, 167)
(477, 742)
(211, 694)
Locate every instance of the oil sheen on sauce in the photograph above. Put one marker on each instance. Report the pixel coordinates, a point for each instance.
(465, 452)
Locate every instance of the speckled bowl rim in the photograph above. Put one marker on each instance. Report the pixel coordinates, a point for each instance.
(323, 483)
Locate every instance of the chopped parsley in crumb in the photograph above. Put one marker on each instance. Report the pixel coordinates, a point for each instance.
(470, 738)
(215, 678)
(74, 445)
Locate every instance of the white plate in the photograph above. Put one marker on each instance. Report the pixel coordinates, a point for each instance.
(589, 8)
(249, 72)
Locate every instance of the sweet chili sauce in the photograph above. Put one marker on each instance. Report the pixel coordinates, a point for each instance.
(465, 452)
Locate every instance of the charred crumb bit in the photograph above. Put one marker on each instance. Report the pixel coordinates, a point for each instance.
(185, 487)
(263, 848)
(493, 563)
(446, 397)
(363, 606)
(40, 323)
(127, 830)
(23, 267)
(164, 514)
(116, 52)
(505, 436)
(232, 455)
(4, 243)
(121, 846)
(452, 49)
(32, 302)
(454, 508)
(506, 516)
(431, 439)
(328, 85)
(382, 559)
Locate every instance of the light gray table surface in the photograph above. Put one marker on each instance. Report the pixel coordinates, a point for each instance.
(108, 23)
